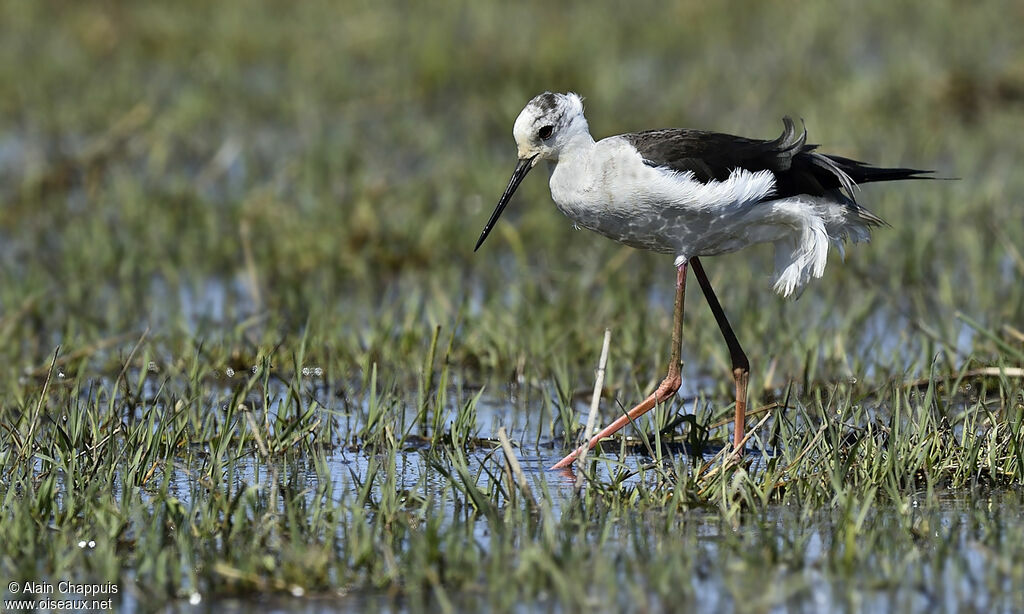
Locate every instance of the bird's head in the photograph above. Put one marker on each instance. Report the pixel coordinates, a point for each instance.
(546, 124)
(544, 127)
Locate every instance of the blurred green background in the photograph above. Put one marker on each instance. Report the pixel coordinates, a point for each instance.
(248, 173)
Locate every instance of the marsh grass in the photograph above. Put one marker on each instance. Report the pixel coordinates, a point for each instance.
(248, 350)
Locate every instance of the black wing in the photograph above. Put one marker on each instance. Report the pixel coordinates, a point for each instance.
(798, 169)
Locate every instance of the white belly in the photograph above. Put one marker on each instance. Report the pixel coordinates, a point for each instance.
(615, 194)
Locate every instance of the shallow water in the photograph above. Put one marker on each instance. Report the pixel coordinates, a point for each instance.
(961, 579)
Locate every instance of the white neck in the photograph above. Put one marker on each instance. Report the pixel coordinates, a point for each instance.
(579, 142)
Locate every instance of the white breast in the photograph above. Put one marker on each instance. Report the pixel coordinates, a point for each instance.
(607, 188)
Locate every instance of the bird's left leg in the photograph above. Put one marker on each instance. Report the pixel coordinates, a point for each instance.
(740, 364)
(669, 386)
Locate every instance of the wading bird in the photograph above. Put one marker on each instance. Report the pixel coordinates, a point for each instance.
(691, 193)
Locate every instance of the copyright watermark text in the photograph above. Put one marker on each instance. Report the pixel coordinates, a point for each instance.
(63, 595)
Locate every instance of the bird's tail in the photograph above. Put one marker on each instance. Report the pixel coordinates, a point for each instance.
(861, 172)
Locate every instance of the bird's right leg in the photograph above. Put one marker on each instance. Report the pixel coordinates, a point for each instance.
(740, 364)
(666, 390)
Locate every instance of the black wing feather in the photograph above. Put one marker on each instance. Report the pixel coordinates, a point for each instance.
(798, 168)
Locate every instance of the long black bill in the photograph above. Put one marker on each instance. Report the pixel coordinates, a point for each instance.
(523, 167)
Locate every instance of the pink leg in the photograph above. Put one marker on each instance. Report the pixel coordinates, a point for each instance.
(669, 386)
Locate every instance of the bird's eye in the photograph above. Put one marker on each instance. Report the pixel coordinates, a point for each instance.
(545, 132)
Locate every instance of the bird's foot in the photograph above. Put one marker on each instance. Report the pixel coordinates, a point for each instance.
(666, 390)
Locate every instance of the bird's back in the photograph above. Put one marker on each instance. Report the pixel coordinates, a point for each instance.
(796, 166)
(696, 193)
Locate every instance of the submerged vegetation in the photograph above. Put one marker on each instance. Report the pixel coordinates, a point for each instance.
(248, 350)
